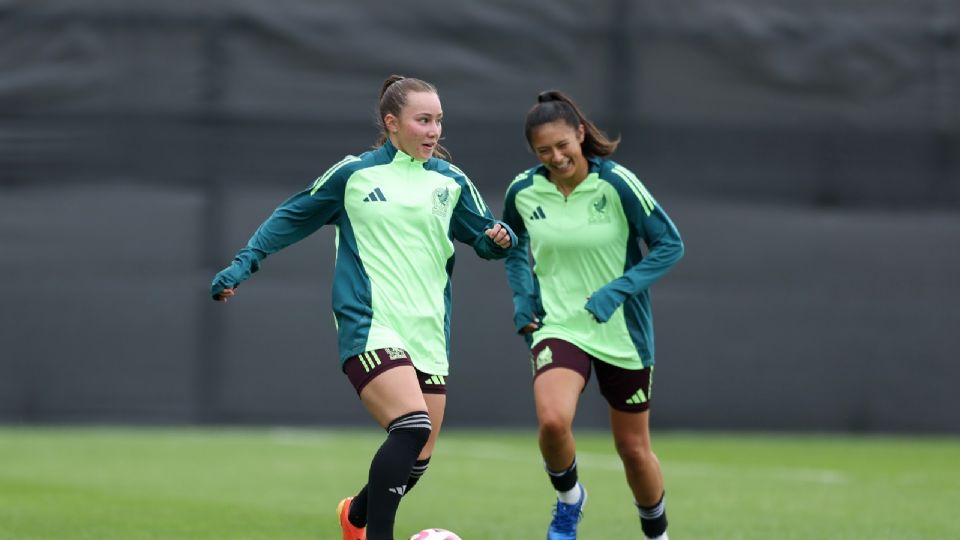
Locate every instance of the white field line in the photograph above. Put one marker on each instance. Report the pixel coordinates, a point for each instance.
(301, 437)
(609, 462)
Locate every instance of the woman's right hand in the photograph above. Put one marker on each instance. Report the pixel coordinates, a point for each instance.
(531, 328)
(225, 294)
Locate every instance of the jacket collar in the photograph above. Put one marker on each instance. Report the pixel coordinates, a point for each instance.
(396, 155)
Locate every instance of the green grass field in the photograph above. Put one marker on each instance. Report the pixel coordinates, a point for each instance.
(283, 484)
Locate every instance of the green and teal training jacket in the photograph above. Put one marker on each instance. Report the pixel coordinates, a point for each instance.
(587, 245)
(396, 218)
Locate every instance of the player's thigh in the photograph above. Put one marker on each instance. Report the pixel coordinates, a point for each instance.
(556, 394)
(393, 393)
(628, 393)
(561, 371)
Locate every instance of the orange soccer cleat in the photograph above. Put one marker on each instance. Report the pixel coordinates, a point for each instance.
(350, 531)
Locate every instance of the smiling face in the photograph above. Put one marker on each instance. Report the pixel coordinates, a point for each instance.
(417, 130)
(557, 145)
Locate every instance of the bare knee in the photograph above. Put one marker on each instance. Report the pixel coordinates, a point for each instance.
(636, 455)
(554, 426)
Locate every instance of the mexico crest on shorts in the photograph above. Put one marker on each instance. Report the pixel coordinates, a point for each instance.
(545, 357)
(395, 353)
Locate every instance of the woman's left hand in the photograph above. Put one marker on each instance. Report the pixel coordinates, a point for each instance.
(499, 235)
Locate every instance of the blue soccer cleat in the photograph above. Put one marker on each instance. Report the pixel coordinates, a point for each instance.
(566, 517)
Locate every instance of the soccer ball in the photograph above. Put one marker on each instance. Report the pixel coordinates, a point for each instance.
(435, 534)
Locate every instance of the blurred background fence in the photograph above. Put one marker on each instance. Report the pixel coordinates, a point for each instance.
(808, 152)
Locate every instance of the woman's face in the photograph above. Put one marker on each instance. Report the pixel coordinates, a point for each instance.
(417, 131)
(557, 145)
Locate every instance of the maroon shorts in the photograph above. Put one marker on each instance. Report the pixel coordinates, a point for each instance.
(625, 390)
(364, 367)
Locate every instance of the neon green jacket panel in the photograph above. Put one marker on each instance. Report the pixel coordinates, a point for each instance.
(587, 245)
(396, 219)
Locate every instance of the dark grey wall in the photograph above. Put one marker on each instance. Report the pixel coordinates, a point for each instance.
(808, 155)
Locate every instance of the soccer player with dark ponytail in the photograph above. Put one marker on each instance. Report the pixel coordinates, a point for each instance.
(585, 303)
(397, 209)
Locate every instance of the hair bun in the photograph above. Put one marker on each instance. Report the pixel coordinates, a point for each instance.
(547, 95)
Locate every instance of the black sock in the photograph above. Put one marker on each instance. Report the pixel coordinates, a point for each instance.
(358, 507)
(653, 519)
(390, 470)
(564, 480)
(419, 468)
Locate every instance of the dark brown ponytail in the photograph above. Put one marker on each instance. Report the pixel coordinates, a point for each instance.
(553, 105)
